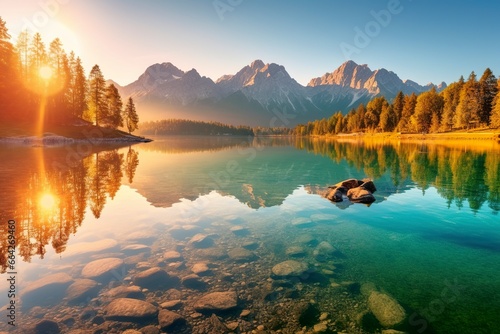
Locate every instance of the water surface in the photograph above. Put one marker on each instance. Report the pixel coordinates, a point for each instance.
(431, 240)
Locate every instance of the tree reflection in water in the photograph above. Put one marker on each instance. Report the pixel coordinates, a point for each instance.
(460, 171)
(48, 196)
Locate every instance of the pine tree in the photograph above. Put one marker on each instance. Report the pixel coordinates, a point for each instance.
(468, 108)
(451, 97)
(22, 46)
(115, 107)
(487, 92)
(77, 92)
(404, 124)
(8, 66)
(97, 105)
(428, 104)
(435, 123)
(37, 58)
(131, 117)
(59, 82)
(388, 119)
(398, 105)
(495, 113)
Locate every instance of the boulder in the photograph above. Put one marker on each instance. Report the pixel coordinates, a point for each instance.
(132, 291)
(358, 191)
(217, 301)
(290, 268)
(295, 251)
(47, 327)
(241, 255)
(348, 184)
(172, 256)
(135, 249)
(80, 248)
(201, 241)
(132, 310)
(240, 230)
(216, 326)
(386, 309)
(201, 268)
(193, 281)
(168, 319)
(334, 195)
(45, 291)
(103, 269)
(323, 251)
(171, 304)
(302, 222)
(360, 195)
(369, 185)
(81, 290)
(141, 237)
(154, 278)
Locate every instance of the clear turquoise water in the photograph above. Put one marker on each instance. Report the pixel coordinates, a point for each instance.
(431, 239)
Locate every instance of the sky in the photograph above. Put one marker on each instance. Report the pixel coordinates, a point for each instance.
(422, 40)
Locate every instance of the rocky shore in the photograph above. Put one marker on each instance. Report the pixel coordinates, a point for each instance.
(54, 140)
(220, 278)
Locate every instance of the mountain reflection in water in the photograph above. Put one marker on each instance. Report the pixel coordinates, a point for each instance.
(49, 190)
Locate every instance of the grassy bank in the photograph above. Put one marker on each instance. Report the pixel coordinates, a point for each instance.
(482, 134)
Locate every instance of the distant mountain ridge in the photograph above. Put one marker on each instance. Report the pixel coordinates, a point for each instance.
(260, 94)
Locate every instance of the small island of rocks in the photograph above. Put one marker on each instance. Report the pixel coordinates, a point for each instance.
(357, 191)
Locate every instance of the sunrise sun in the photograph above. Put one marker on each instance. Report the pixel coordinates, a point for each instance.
(45, 72)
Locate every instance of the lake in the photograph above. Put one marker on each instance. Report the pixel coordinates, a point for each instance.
(172, 221)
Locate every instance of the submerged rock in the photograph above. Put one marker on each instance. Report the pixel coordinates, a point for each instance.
(171, 304)
(295, 251)
(193, 281)
(386, 309)
(290, 268)
(103, 269)
(240, 230)
(302, 222)
(201, 268)
(241, 255)
(46, 290)
(217, 301)
(128, 309)
(172, 256)
(82, 290)
(154, 278)
(323, 251)
(135, 249)
(201, 241)
(47, 327)
(90, 247)
(132, 291)
(168, 319)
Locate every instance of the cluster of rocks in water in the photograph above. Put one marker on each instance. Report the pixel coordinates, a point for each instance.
(222, 279)
(357, 191)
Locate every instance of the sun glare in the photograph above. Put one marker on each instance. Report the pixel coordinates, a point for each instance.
(45, 72)
(47, 201)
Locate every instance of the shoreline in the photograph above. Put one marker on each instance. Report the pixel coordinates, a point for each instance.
(55, 140)
(442, 136)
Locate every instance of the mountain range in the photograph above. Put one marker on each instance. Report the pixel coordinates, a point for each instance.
(260, 94)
